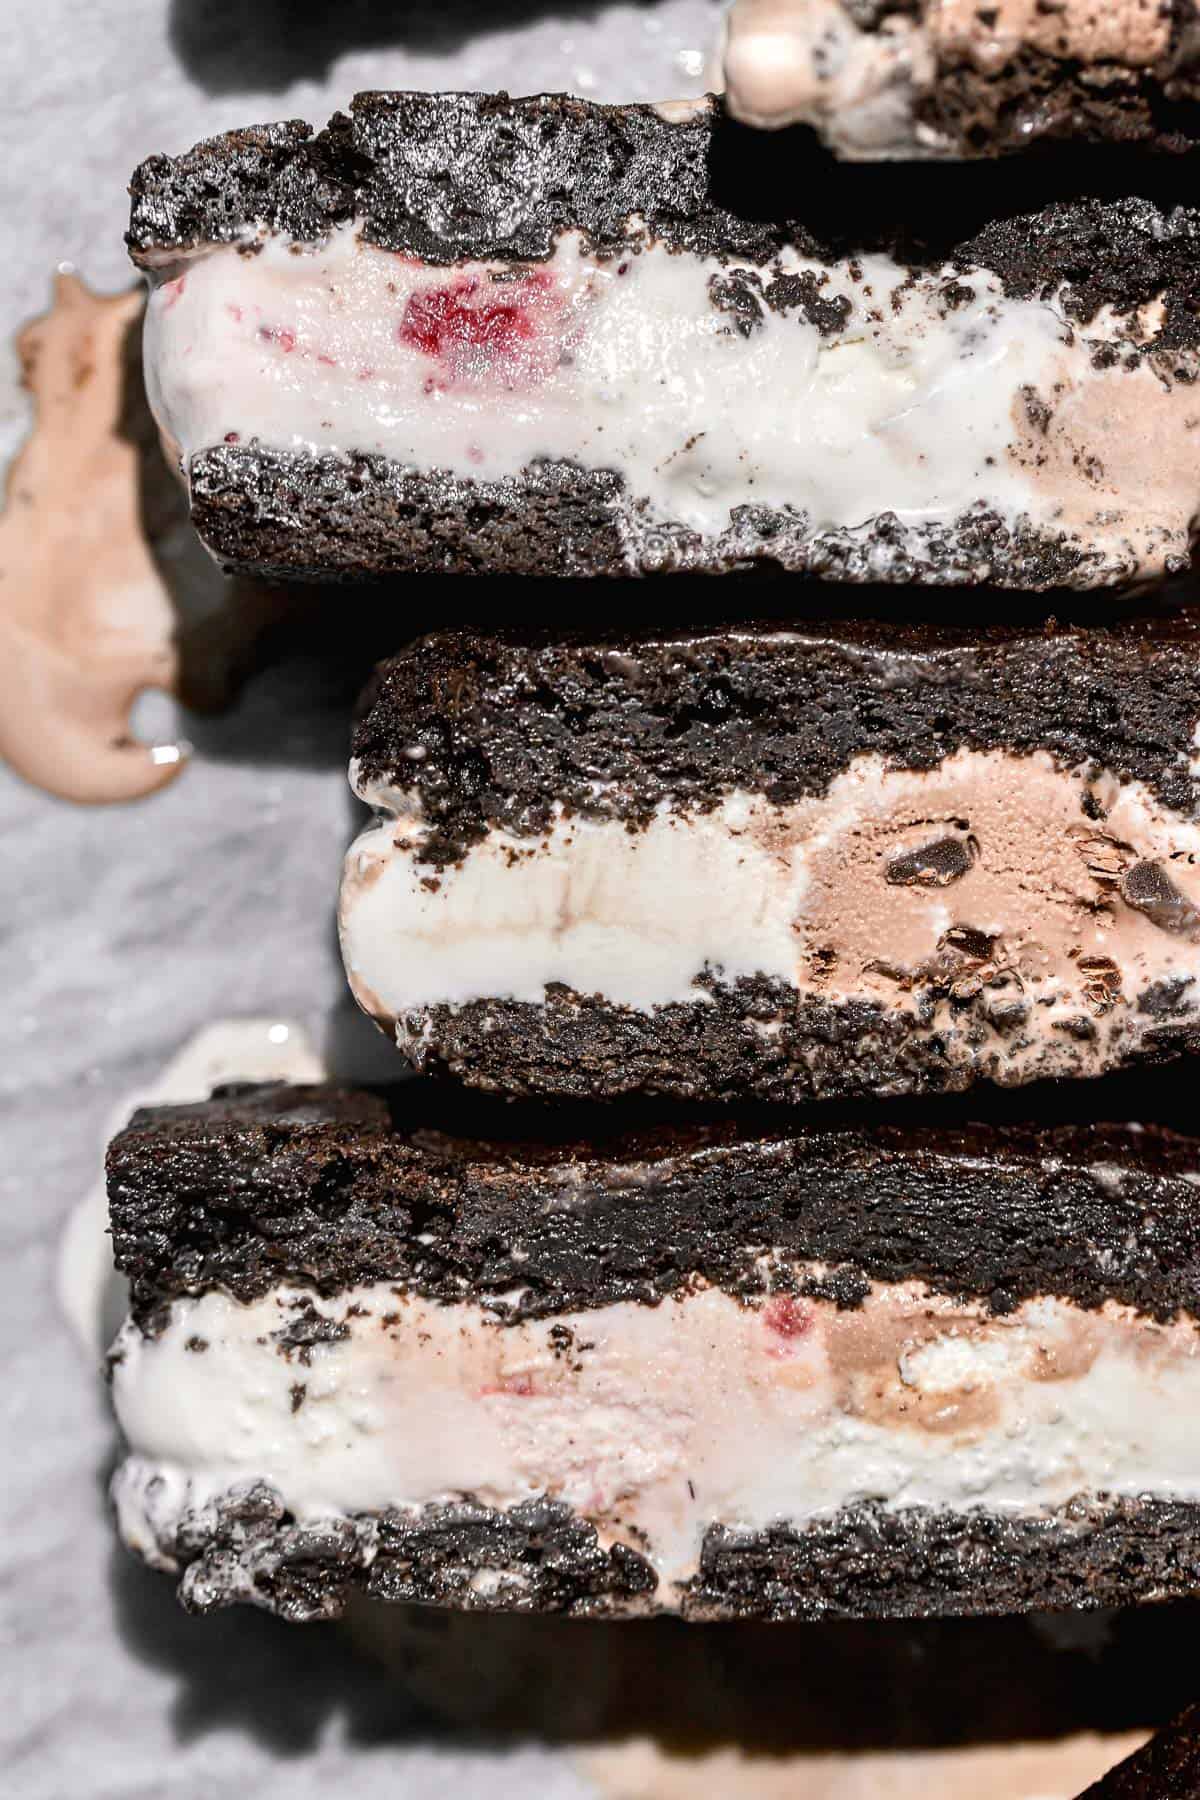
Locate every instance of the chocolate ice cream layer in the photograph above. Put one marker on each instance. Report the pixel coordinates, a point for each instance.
(475, 334)
(781, 863)
(721, 1370)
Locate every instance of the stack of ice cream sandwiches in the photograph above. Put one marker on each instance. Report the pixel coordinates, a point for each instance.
(799, 1211)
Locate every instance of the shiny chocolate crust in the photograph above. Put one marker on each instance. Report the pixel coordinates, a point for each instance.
(867, 1562)
(450, 1197)
(576, 1046)
(364, 518)
(290, 516)
(1167, 1768)
(540, 1558)
(1034, 98)
(492, 729)
(1037, 99)
(452, 177)
(287, 516)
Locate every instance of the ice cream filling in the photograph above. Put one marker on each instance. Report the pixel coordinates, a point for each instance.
(652, 1422)
(876, 390)
(1057, 899)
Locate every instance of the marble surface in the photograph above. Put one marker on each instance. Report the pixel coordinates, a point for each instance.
(128, 928)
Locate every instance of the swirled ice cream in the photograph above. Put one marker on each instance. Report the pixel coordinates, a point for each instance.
(696, 1368)
(675, 369)
(769, 863)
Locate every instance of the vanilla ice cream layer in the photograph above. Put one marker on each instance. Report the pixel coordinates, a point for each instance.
(875, 390)
(787, 62)
(824, 896)
(663, 1419)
